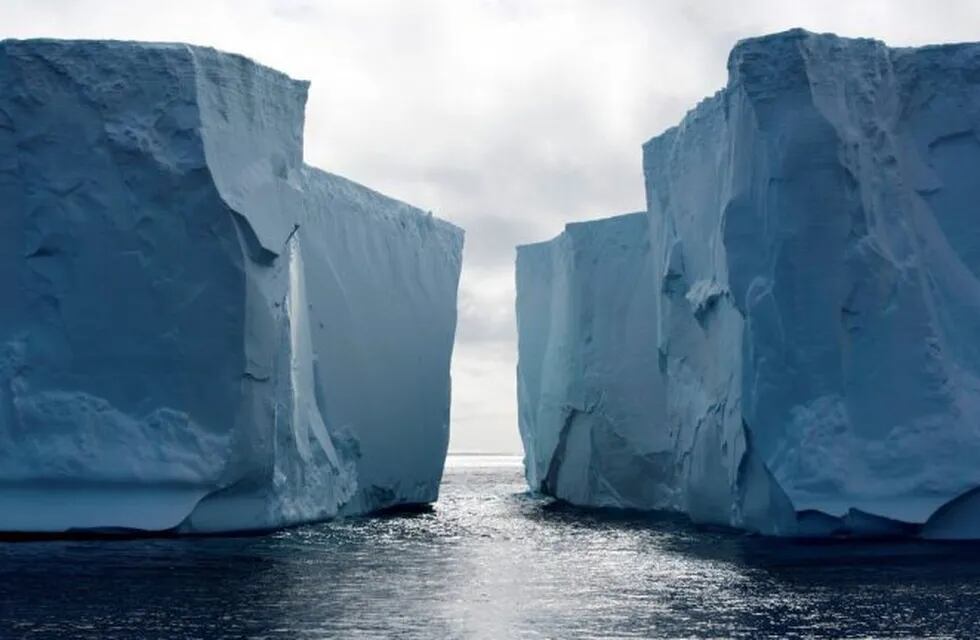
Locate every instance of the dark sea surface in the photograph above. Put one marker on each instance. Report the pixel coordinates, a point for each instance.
(489, 561)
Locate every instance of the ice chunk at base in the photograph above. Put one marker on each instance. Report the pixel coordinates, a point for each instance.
(200, 332)
(815, 264)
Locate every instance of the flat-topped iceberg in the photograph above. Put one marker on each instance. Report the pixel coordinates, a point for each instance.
(589, 386)
(815, 260)
(199, 332)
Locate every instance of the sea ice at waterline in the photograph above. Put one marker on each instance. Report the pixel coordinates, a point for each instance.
(200, 332)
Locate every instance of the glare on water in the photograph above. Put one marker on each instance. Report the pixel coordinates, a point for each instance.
(488, 561)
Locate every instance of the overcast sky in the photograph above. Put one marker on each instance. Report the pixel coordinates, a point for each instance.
(506, 117)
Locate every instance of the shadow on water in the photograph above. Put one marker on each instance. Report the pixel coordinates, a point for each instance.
(119, 587)
(676, 533)
(488, 562)
(682, 579)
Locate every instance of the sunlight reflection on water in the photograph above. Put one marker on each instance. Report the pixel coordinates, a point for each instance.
(489, 561)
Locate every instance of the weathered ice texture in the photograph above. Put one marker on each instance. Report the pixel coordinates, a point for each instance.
(199, 332)
(588, 385)
(815, 246)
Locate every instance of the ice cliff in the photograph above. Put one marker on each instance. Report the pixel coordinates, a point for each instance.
(814, 283)
(589, 386)
(199, 332)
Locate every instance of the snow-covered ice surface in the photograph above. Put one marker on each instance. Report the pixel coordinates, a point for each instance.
(815, 256)
(199, 332)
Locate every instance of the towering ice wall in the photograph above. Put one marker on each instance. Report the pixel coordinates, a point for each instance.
(816, 261)
(588, 384)
(199, 332)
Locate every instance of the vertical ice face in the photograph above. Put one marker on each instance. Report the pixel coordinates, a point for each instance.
(815, 265)
(589, 387)
(200, 332)
(823, 194)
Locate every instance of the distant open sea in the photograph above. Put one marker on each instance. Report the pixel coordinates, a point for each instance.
(488, 561)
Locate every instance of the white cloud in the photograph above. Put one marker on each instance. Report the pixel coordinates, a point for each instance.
(508, 117)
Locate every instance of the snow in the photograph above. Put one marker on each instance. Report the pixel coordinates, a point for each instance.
(815, 307)
(202, 333)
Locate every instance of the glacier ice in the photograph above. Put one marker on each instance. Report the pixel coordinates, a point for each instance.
(200, 332)
(589, 385)
(814, 265)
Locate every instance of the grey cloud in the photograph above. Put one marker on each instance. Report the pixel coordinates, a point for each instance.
(295, 10)
(486, 319)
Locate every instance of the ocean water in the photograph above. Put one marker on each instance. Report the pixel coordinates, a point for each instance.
(488, 561)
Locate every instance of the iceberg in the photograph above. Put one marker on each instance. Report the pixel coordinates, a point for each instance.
(200, 333)
(589, 386)
(815, 273)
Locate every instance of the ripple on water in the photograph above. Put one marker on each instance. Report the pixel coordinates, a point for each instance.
(488, 561)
